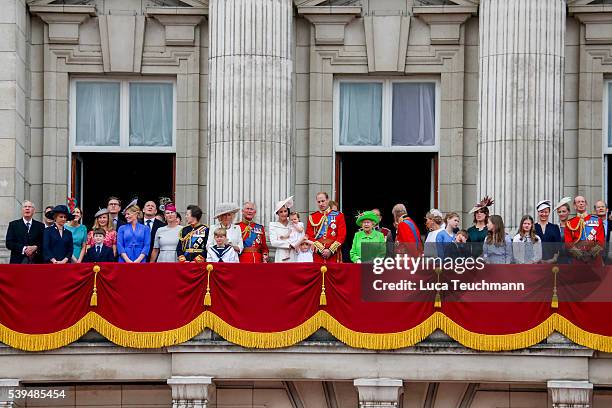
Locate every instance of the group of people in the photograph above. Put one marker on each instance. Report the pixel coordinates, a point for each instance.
(154, 234)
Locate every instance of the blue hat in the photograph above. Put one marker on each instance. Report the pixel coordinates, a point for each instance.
(59, 209)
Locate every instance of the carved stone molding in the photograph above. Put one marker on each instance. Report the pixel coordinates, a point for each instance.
(379, 392)
(192, 392)
(570, 394)
(122, 39)
(445, 22)
(329, 22)
(64, 21)
(179, 23)
(386, 42)
(598, 23)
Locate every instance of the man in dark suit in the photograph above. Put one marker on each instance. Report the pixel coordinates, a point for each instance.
(113, 204)
(99, 252)
(150, 211)
(24, 237)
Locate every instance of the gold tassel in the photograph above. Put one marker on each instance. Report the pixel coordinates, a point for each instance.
(438, 299)
(323, 297)
(554, 303)
(207, 297)
(93, 302)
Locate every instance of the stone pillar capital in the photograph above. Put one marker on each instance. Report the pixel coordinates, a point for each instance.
(7, 400)
(379, 392)
(191, 392)
(570, 394)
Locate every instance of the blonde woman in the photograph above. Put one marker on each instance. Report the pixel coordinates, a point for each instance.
(103, 222)
(133, 239)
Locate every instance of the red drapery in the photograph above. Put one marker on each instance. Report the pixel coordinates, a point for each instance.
(276, 305)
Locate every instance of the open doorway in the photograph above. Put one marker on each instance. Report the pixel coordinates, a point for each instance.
(96, 176)
(381, 180)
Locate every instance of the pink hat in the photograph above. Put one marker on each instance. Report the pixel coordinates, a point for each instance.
(170, 207)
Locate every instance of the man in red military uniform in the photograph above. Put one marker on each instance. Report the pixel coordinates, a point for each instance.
(408, 237)
(327, 229)
(253, 236)
(585, 236)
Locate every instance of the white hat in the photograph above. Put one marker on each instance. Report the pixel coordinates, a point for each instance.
(226, 208)
(562, 202)
(543, 205)
(101, 212)
(434, 212)
(287, 202)
(131, 204)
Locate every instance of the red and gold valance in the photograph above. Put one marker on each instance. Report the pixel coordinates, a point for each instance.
(44, 307)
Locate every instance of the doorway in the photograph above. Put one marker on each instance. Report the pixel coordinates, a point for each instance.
(96, 176)
(381, 180)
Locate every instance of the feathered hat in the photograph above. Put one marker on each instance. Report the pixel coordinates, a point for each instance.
(486, 202)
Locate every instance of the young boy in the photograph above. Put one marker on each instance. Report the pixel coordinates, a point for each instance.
(222, 251)
(304, 251)
(99, 252)
(459, 248)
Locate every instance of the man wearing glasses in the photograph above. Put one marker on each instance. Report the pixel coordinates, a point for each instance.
(114, 208)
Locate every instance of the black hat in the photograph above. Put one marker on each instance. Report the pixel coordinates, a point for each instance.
(59, 209)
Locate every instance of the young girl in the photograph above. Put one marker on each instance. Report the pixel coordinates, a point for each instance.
(222, 250)
(497, 247)
(527, 246)
(296, 229)
(447, 235)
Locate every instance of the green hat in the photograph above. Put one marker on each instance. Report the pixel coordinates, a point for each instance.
(367, 215)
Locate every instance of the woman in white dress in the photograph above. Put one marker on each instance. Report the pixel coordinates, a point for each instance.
(167, 237)
(280, 231)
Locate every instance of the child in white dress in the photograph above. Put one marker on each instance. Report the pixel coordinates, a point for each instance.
(296, 228)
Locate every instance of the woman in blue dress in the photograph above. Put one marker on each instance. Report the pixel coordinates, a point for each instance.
(57, 240)
(549, 233)
(133, 238)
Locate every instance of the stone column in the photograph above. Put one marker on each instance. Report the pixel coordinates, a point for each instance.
(250, 102)
(191, 392)
(6, 401)
(14, 113)
(520, 146)
(570, 394)
(379, 392)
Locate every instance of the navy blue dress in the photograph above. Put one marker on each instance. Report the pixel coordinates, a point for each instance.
(551, 240)
(56, 246)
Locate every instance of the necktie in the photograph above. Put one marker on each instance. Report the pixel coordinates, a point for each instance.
(97, 250)
(149, 224)
(28, 226)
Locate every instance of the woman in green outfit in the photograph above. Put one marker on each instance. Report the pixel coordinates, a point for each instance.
(374, 240)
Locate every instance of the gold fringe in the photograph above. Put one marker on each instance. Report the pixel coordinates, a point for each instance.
(375, 341)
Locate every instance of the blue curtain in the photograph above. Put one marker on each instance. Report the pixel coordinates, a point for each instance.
(414, 107)
(150, 114)
(97, 113)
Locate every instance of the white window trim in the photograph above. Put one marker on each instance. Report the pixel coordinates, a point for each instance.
(124, 122)
(387, 120)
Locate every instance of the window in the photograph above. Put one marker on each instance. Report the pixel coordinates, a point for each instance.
(386, 115)
(122, 114)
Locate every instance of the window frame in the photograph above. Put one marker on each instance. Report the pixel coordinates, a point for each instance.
(387, 114)
(606, 105)
(124, 116)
